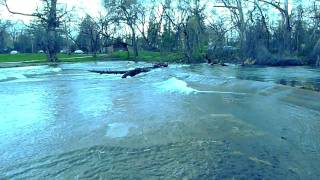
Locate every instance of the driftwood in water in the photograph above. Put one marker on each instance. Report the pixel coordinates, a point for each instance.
(133, 72)
(108, 72)
(136, 71)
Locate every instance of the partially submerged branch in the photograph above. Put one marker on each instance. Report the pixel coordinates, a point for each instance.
(133, 72)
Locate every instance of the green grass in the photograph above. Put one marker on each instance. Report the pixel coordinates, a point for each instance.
(149, 56)
(21, 57)
(120, 55)
(34, 57)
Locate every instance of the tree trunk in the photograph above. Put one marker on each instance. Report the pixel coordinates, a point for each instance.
(134, 42)
(188, 49)
(50, 19)
(242, 27)
(286, 27)
(316, 54)
(51, 49)
(52, 24)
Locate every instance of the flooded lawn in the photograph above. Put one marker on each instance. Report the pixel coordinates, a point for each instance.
(181, 122)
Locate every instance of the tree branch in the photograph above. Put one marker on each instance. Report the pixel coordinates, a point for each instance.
(229, 7)
(38, 15)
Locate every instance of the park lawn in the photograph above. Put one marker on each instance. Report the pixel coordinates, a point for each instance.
(21, 57)
(147, 56)
(37, 57)
(150, 56)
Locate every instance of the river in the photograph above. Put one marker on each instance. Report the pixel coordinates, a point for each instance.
(181, 122)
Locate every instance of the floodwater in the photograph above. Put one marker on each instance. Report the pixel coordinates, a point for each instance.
(181, 122)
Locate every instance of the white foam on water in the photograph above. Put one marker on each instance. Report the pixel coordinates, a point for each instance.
(56, 69)
(221, 92)
(24, 68)
(10, 75)
(3, 77)
(19, 76)
(174, 85)
(175, 66)
(118, 130)
(43, 70)
(21, 73)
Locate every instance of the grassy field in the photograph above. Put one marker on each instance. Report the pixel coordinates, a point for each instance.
(149, 56)
(35, 57)
(146, 56)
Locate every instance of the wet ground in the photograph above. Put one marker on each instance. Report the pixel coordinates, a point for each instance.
(182, 122)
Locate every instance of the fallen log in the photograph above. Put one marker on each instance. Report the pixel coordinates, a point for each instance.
(108, 72)
(136, 71)
(133, 72)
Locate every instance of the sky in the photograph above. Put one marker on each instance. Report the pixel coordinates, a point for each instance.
(83, 7)
(92, 7)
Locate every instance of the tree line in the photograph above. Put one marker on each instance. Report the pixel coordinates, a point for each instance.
(246, 31)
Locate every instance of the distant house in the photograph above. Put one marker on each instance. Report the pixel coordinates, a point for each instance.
(119, 46)
(115, 46)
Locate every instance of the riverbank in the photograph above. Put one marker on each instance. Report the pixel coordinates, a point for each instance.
(42, 58)
(33, 59)
(22, 60)
(149, 56)
(7, 60)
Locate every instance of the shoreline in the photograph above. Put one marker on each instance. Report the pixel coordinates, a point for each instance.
(106, 59)
(4, 65)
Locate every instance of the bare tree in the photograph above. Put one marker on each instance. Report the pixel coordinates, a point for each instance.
(126, 11)
(238, 17)
(50, 16)
(107, 28)
(188, 22)
(90, 35)
(4, 35)
(150, 23)
(286, 23)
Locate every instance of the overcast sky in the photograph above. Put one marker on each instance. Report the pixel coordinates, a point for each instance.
(91, 7)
